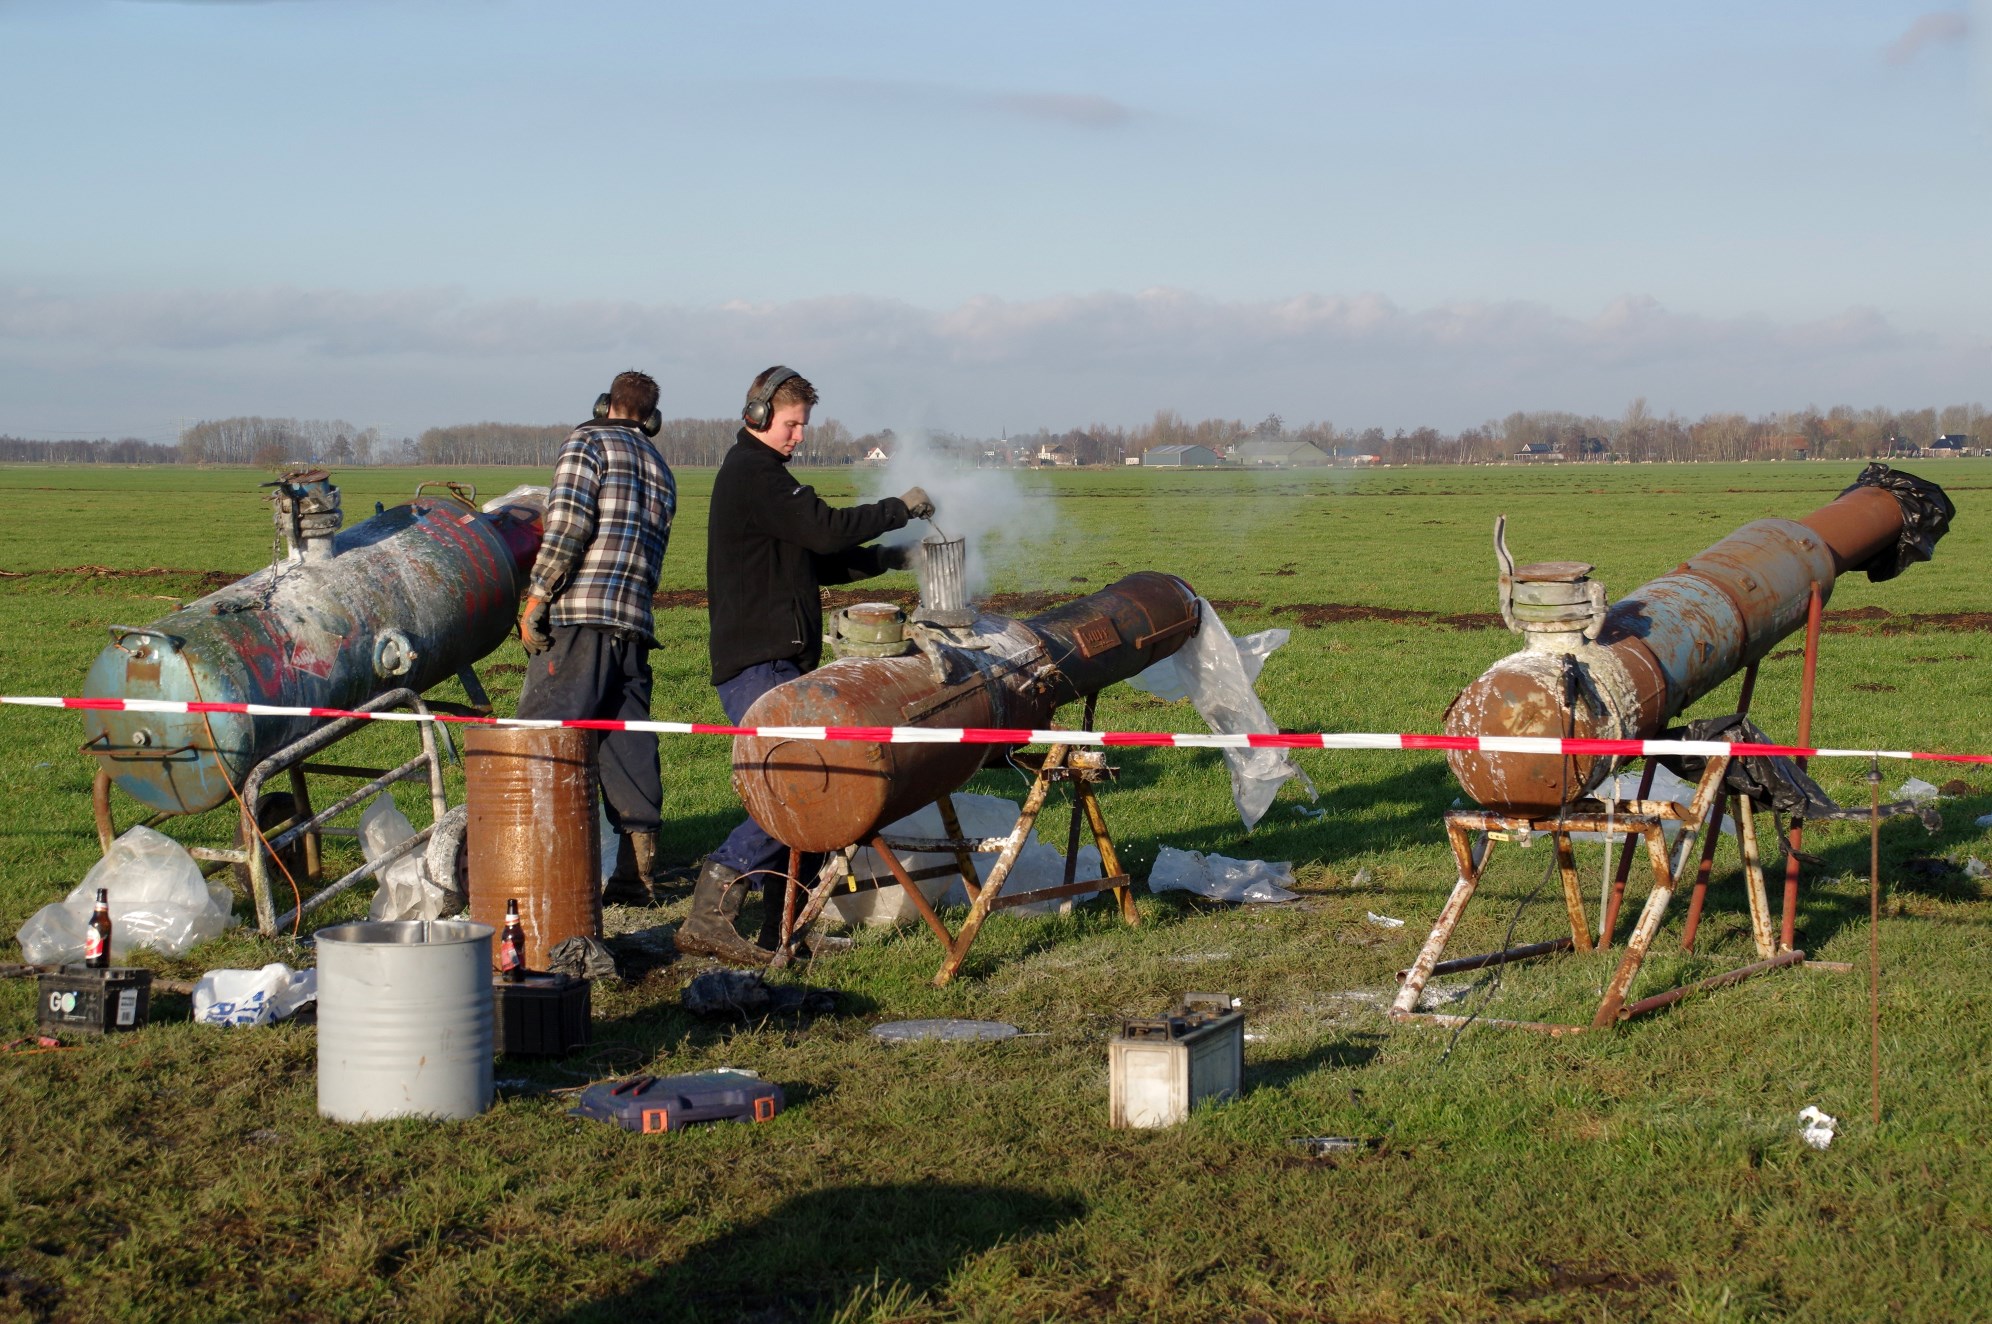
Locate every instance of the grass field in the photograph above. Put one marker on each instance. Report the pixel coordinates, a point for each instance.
(1654, 1173)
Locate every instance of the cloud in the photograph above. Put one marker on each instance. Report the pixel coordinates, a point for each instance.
(1079, 110)
(1936, 28)
(410, 358)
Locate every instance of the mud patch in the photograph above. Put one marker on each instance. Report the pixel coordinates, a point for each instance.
(1314, 615)
(1565, 1279)
(209, 580)
(1873, 687)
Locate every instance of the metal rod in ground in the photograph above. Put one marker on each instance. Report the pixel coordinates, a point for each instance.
(1874, 934)
(1673, 995)
(1513, 954)
(1787, 934)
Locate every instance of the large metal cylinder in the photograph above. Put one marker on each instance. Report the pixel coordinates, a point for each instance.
(532, 833)
(1662, 647)
(404, 1020)
(407, 598)
(999, 672)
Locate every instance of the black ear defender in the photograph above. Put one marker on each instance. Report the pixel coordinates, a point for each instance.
(650, 426)
(760, 407)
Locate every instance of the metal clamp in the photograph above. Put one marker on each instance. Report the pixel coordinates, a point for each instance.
(455, 489)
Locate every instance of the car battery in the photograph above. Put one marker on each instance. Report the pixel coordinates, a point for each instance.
(77, 999)
(648, 1104)
(540, 1015)
(1163, 1066)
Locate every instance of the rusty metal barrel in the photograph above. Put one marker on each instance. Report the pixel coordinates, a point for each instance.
(533, 834)
(1678, 637)
(824, 795)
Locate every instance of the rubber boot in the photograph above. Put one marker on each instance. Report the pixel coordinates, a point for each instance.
(635, 879)
(709, 930)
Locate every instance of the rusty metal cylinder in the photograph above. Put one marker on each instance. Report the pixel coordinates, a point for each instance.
(533, 834)
(818, 795)
(1662, 647)
(407, 598)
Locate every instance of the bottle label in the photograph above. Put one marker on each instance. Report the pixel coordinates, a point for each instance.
(94, 944)
(510, 955)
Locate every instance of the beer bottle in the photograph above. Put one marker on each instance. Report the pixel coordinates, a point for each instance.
(97, 938)
(512, 945)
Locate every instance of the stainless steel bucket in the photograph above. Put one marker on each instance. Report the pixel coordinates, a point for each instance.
(404, 1020)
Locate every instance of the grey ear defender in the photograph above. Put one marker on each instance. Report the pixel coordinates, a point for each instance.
(760, 406)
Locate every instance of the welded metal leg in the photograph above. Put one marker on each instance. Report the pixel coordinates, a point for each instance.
(1788, 931)
(1573, 891)
(1642, 932)
(100, 805)
(1469, 861)
(300, 813)
(1609, 924)
(913, 892)
(1702, 874)
(1089, 800)
(1753, 879)
(964, 858)
(979, 911)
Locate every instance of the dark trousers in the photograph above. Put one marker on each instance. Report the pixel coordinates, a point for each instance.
(592, 674)
(748, 848)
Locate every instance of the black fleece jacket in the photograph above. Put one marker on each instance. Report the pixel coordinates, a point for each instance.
(771, 544)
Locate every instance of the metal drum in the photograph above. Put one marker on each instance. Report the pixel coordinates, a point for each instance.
(533, 833)
(404, 1020)
(405, 599)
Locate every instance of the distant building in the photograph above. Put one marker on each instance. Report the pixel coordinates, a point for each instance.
(1056, 455)
(1540, 452)
(1278, 454)
(1952, 444)
(876, 455)
(1181, 457)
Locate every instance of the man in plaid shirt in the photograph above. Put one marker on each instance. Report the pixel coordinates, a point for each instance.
(586, 619)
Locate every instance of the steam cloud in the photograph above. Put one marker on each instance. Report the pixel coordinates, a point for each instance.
(989, 509)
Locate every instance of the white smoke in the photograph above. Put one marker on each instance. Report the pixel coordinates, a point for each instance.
(990, 509)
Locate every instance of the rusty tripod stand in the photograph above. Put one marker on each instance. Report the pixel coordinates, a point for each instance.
(1473, 832)
(1083, 769)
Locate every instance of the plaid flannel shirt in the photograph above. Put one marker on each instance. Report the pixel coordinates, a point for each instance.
(608, 519)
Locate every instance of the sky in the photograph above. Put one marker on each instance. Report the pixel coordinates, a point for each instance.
(988, 218)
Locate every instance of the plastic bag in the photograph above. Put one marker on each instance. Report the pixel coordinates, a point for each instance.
(405, 890)
(1220, 877)
(252, 997)
(1217, 673)
(158, 900)
(1666, 786)
(1038, 866)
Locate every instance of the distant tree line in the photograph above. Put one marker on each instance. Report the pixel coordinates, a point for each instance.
(1839, 433)
(130, 450)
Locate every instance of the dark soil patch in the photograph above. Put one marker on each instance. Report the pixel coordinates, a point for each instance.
(1872, 687)
(505, 669)
(1565, 1279)
(207, 579)
(1957, 786)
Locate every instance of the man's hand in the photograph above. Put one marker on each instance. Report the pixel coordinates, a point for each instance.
(898, 557)
(533, 626)
(918, 504)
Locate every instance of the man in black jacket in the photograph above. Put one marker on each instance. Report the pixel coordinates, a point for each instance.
(771, 544)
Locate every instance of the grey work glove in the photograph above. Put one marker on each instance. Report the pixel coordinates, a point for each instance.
(918, 504)
(533, 626)
(897, 558)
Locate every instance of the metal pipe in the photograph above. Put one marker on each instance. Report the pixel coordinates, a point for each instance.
(1788, 933)
(822, 796)
(1673, 995)
(1662, 647)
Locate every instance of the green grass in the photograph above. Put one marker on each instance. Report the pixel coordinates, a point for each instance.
(1655, 1173)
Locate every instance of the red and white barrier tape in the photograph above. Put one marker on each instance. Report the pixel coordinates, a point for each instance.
(922, 735)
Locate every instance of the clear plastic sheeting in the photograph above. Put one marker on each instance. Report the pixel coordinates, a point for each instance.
(1220, 877)
(253, 997)
(158, 901)
(405, 890)
(1217, 673)
(981, 816)
(943, 1031)
(1666, 786)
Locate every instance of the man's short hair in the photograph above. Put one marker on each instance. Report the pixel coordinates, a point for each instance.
(633, 394)
(795, 391)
